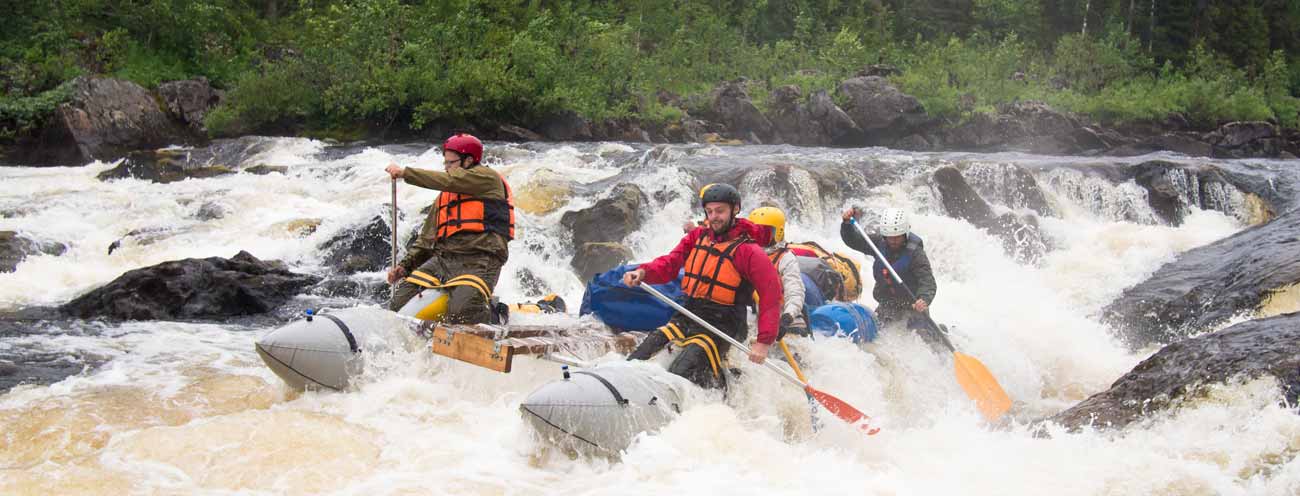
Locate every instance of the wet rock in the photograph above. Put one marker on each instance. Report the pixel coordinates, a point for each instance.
(14, 248)
(263, 169)
(208, 288)
(882, 112)
(1291, 143)
(298, 228)
(1173, 142)
(51, 145)
(367, 248)
(1021, 238)
(610, 220)
(836, 124)
(696, 130)
(791, 121)
(161, 166)
(732, 107)
(222, 156)
(1030, 126)
(591, 259)
(210, 211)
(543, 192)
(144, 236)
(371, 290)
(1181, 371)
(190, 100)
(914, 142)
(109, 118)
(1009, 185)
(1206, 286)
(793, 189)
(565, 126)
(620, 130)
(511, 132)
(1174, 189)
(532, 285)
(1245, 140)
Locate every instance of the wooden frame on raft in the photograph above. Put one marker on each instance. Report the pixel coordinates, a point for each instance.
(495, 347)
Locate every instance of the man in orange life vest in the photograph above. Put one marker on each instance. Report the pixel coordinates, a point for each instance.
(724, 268)
(464, 241)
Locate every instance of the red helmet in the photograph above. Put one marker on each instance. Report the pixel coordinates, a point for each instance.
(465, 144)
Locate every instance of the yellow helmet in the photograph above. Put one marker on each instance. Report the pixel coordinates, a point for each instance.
(773, 217)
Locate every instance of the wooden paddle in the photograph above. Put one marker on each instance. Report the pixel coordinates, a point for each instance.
(836, 406)
(972, 375)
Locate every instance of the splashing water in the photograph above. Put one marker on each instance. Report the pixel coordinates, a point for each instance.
(169, 407)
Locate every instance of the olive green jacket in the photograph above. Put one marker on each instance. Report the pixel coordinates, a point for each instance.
(480, 181)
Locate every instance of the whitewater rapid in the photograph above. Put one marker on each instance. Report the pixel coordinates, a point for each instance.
(188, 408)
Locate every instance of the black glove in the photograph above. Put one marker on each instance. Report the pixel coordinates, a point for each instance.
(791, 325)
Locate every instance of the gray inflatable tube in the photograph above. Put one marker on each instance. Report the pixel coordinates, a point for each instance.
(323, 351)
(601, 410)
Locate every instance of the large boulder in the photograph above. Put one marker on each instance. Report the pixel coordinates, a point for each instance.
(1174, 190)
(591, 259)
(223, 156)
(610, 220)
(882, 112)
(565, 126)
(620, 129)
(1208, 285)
(819, 122)
(109, 118)
(791, 121)
(1021, 237)
(1180, 372)
(162, 166)
(1185, 143)
(190, 100)
(543, 192)
(1245, 140)
(51, 145)
(511, 132)
(732, 107)
(1008, 184)
(835, 123)
(366, 248)
(14, 248)
(1029, 126)
(194, 288)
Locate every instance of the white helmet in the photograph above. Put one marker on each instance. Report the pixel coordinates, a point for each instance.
(893, 222)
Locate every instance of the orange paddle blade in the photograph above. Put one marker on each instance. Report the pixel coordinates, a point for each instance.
(843, 410)
(980, 385)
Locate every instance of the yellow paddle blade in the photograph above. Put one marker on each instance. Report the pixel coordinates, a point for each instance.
(980, 385)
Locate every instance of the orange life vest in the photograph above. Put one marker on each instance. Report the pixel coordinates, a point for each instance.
(711, 272)
(458, 212)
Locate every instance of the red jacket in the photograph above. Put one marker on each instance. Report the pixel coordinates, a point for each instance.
(750, 260)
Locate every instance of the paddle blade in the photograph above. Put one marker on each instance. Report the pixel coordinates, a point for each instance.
(843, 410)
(980, 385)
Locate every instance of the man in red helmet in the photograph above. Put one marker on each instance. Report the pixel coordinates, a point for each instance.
(464, 241)
(724, 268)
